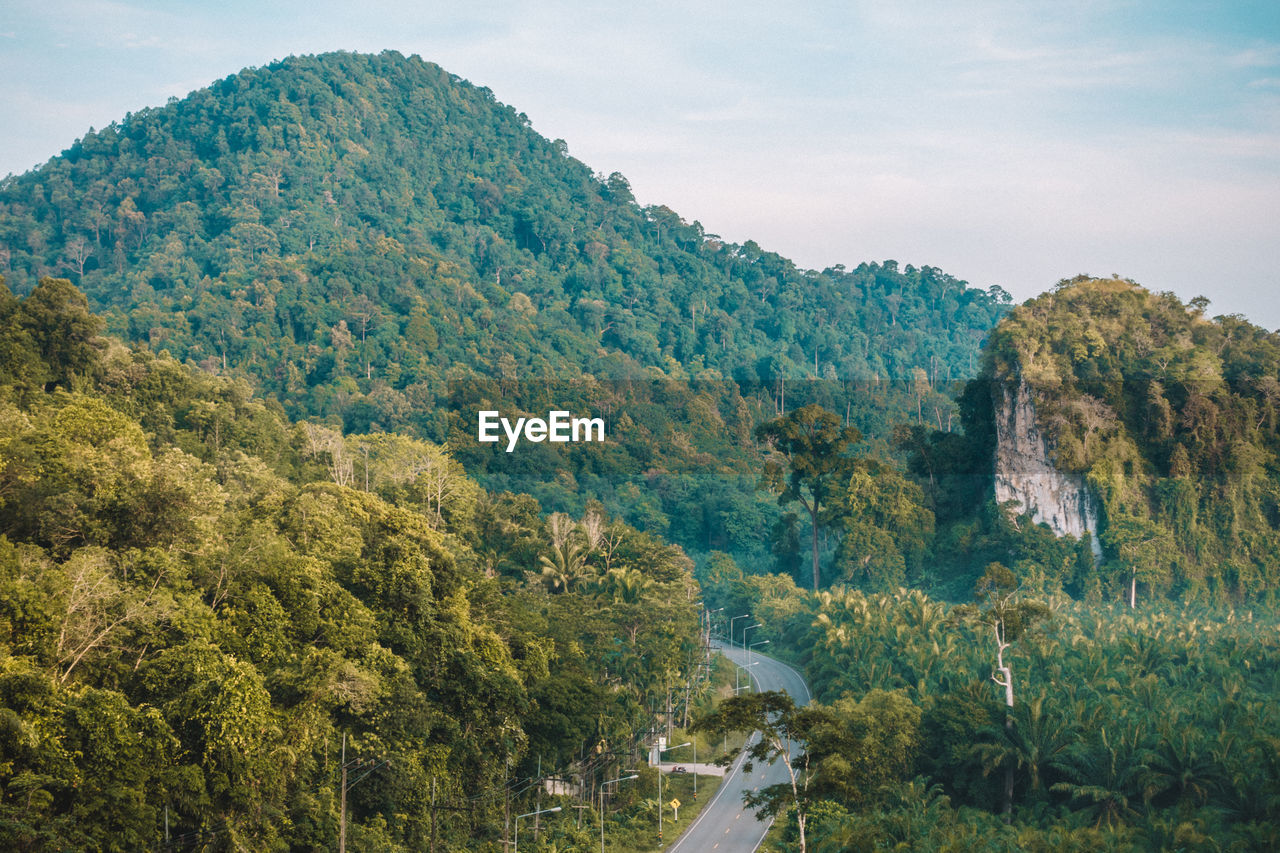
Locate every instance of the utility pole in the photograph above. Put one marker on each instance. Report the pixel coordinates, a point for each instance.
(530, 814)
(435, 808)
(661, 750)
(670, 714)
(368, 765)
(342, 818)
(695, 767)
(506, 808)
(538, 804)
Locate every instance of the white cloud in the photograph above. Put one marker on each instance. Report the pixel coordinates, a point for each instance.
(1260, 56)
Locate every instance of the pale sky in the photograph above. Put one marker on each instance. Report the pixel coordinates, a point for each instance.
(1008, 143)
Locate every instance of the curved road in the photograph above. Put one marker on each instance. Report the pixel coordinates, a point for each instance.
(726, 825)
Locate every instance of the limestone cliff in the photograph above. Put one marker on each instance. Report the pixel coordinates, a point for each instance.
(1026, 474)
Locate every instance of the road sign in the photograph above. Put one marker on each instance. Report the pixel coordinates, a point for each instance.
(655, 752)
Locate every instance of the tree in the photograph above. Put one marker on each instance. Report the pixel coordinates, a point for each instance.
(812, 442)
(886, 527)
(1009, 616)
(783, 727)
(97, 607)
(862, 746)
(1145, 546)
(65, 332)
(564, 569)
(1037, 742)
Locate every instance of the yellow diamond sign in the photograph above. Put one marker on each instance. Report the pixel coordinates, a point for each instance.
(675, 804)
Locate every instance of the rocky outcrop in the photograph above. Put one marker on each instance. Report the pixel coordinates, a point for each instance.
(1026, 474)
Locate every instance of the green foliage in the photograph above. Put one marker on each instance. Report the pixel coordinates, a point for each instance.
(812, 446)
(1130, 730)
(887, 530)
(198, 600)
(862, 746)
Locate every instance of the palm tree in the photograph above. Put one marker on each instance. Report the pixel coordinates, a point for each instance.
(1180, 763)
(1108, 777)
(563, 569)
(1036, 742)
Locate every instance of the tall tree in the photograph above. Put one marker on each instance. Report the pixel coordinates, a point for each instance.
(56, 315)
(812, 443)
(782, 726)
(1009, 614)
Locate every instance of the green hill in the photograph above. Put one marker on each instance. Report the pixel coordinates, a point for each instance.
(363, 236)
(382, 195)
(1173, 421)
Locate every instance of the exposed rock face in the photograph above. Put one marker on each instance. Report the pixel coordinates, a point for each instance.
(1025, 473)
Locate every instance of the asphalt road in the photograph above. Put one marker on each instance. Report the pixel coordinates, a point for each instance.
(725, 825)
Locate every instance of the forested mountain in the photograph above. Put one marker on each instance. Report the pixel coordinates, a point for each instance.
(375, 218)
(364, 236)
(199, 600)
(1062, 703)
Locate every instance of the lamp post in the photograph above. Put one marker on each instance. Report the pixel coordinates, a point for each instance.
(530, 814)
(747, 686)
(749, 648)
(752, 646)
(661, 750)
(748, 651)
(735, 619)
(602, 784)
(695, 767)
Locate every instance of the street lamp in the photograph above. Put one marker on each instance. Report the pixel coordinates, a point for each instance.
(530, 814)
(746, 686)
(661, 750)
(735, 619)
(744, 648)
(695, 767)
(752, 646)
(602, 784)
